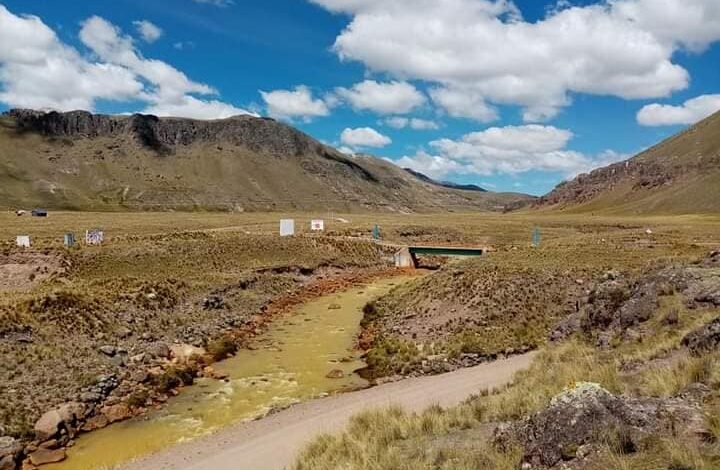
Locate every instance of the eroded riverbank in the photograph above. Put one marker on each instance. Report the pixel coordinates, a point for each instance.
(288, 364)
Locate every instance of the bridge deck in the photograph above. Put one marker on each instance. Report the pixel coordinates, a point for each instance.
(445, 251)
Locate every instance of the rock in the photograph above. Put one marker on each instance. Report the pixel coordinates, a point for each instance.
(124, 332)
(10, 446)
(158, 349)
(115, 413)
(51, 444)
(10, 451)
(8, 462)
(96, 422)
(108, 350)
(704, 339)
(566, 327)
(335, 374)
(213, 302)
(90, 397)
(710, 295)
(184, 352)
(120, 359)
(588, 414)
(53, 421)
(334, 307)
(640, 307)
(27, 465)
(46, 456)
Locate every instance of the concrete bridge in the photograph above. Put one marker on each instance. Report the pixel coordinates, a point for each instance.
(407, 256)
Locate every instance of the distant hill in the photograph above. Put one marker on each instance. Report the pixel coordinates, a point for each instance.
(680, 175)
(445, 184)
(79, 160)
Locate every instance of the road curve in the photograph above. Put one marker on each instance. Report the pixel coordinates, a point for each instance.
(274, 442)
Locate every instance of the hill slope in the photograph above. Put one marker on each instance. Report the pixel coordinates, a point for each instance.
(79, 160)
(679, 175)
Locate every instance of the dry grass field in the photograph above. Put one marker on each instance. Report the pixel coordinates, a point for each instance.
(147, 283)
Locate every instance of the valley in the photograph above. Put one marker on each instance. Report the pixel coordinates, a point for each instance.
(216, 283)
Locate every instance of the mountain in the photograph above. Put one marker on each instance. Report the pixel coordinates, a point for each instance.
(680, 175)
(79, 160)
(445, 184)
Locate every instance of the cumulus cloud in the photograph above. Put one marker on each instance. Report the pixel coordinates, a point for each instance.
(384, 98)
(364, 137)
(464, 103)
(37, 70)
(401, 122)
(689, 112)
(506, 150)
(485, 51)
(148, 31)
(297, 103)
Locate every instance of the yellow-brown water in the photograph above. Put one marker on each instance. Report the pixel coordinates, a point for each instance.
(289, 365)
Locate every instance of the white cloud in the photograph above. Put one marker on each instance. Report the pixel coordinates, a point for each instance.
(288, 104)
(689, 112)
(217, 3)
(464, 103)
(39, 71)
(170, 90)
(364, 137)
(383, 98)
(506, 150)
(400, 122)
(191, 107)
(149, 32)
(484, 50)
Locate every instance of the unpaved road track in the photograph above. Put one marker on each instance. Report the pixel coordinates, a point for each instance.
(273, 443)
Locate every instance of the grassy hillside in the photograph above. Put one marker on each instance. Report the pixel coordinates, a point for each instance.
(678, 176)
(82, 161)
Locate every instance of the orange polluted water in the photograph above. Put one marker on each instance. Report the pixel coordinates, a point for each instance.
(290, 365)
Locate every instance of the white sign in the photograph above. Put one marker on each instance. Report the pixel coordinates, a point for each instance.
(287, 227)
(23, 241)
(317, 225)
(94, 237)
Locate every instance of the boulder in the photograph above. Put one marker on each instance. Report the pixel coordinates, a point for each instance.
(335, 374)
(46, 456)
(118, 412)
(587, 416)
(96, 422)
(10, 451)
(8, 462)
(10, 446)
(158, 349)
(61, 417)
(108, 350)
(184, 352)
(704, 339)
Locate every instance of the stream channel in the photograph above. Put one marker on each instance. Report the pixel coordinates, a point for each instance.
(289, 364)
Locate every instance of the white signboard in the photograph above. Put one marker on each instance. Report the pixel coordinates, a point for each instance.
(23, 241)
(94, 237)
(317, 225)
(287, 227)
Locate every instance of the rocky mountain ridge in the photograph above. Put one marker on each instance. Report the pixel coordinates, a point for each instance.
(680, 174)
(80, 160)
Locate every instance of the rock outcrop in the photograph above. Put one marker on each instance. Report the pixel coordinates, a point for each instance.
(588, 415)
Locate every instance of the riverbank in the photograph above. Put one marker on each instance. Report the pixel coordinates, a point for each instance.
(256, 445)
(306, 352)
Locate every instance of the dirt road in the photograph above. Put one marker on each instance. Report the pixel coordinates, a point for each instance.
(274, 442)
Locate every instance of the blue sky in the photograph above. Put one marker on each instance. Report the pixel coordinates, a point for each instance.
(514, 96)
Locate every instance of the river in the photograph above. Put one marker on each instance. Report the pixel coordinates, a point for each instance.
(289, 364)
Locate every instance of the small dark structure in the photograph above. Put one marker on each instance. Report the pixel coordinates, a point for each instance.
(39, 213)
